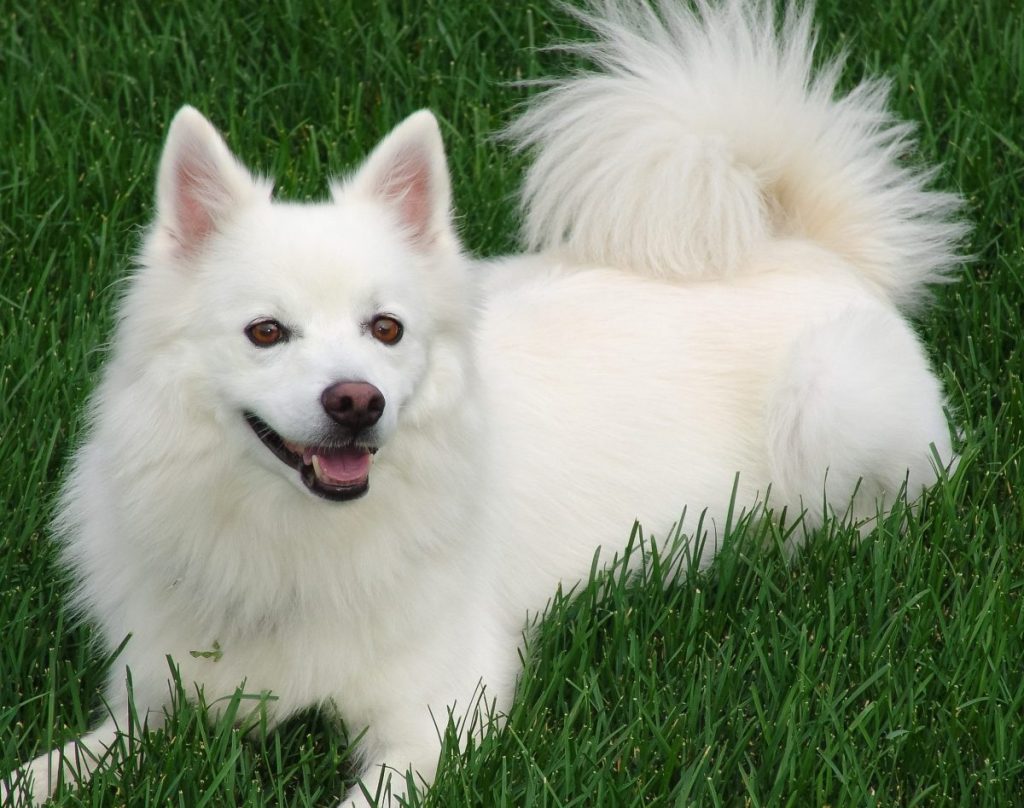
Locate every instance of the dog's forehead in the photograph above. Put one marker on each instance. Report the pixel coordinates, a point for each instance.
(324, 254)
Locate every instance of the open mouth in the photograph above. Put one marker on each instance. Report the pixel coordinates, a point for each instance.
(336, 473)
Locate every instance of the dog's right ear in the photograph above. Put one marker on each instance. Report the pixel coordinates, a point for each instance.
(200, 182)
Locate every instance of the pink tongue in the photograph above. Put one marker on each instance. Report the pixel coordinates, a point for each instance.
(343, 466)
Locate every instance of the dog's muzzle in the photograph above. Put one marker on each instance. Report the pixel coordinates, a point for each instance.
(337, 470)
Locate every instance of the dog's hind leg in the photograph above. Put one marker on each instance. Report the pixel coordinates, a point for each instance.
(856, 415)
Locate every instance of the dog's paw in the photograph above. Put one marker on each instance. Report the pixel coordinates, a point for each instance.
(389, 794)
(32, 783)
(357, 799)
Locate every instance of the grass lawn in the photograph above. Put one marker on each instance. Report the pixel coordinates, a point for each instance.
(889, 672)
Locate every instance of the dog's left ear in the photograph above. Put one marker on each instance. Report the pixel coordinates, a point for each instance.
(408, 173)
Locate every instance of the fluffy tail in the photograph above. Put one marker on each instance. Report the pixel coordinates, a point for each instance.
(702, 131)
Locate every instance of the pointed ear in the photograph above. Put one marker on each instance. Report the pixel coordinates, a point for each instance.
(200, 182)
(408, 173)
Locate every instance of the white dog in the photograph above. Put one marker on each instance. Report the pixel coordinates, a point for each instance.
(331, 447)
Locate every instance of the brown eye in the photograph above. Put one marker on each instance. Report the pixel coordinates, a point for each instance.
(386, 329)
(264, 333)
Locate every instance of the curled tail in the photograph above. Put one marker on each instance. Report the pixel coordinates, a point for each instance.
(704, 130)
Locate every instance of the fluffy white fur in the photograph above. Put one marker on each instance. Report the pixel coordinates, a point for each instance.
(725, 250)
(712, 132)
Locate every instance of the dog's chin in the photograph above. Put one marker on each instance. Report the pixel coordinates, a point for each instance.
(336, 472)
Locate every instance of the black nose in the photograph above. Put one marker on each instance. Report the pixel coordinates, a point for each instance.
(356, 405)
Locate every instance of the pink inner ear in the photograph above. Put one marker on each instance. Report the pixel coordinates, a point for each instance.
(195, 193)
(409, 186)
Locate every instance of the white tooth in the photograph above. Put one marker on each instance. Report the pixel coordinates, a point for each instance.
(316, 468)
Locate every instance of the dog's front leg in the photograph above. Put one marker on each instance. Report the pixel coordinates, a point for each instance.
(385, 782)
(75, 762)
(380, 787)
(72, 764)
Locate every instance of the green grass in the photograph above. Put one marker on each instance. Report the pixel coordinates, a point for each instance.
(889, 672)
